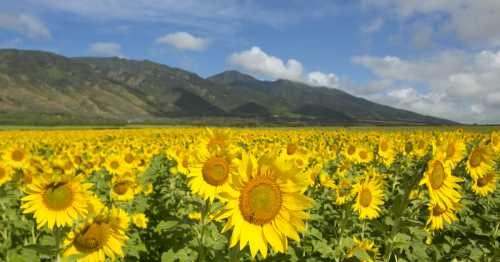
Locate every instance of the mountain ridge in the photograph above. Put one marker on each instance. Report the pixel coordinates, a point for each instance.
(118, 89)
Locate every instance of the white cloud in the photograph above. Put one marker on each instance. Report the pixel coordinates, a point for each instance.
(472, 21)
(321, 79)
(373, 26)
(257, 62)
(461, 86)
(184, 41)
(25, 24)
(105, 49)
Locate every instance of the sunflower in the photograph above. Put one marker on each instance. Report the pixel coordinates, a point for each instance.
(495, 141)
(453, 149)
(365, 245)
(211, 174)
(114, 164)
(266, 205)
(480, 161)
(140, 220)
(5, 174)
(217, 139)
(56, 200)
(364, 154)
(370, 196)
(386, 151)
(443, 187)
(486, 184)
(343, 168)
(343, 191)
(17, 156)
(100, 237)
(124, 187)
(439, 215)
(350, 150)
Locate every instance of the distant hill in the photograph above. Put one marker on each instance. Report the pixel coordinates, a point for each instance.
(42, 87)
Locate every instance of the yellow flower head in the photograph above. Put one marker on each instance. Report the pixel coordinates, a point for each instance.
(266, 205)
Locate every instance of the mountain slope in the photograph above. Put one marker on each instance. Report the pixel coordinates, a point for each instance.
(34, 83)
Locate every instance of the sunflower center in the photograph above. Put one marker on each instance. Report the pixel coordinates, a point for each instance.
(437, 211)
(260, 201)
(17, 155)
(475, 158)
(2, 172)
(58, 196)
(185, 163)
(93, 238)
(215, 171)
(485, 180)
(68, 166)
(114, 164)
(291, 148)
(351, 149)
(363, 154)
(365, 197)
(121, 188)
(450, 150)
(129, 158)
(437, 175)
(384, 146)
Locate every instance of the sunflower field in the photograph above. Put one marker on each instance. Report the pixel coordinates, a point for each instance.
(192, 194)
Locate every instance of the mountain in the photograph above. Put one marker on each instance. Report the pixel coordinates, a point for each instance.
(44, 87)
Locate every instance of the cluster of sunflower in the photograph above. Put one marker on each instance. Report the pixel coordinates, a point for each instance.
(258, 186)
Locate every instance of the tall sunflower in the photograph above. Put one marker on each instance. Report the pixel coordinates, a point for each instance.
(439, 215)
(266, 205)
(486, 184)
(211, 173)
(443, 187)
(370, 196)
(99, 237)
(480, 161)
(56, 200)
(365, 245)
(453, 149)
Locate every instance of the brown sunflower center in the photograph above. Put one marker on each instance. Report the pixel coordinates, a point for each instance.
(58, 196)
(129, 158)
(437, 211)
(363, 154)
(185, 163)
(215, 171)
(121, 188)
(3, 173)
(384, 146)
(437, 175)
(351, 149)
(485, 180)
(290, 149)
(365, 197)
(475, 158)
(93, 238)
(450, 150)
(114, 164)
(260, 200)
(17, 155)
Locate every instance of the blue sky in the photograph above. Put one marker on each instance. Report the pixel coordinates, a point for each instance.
(436, 57)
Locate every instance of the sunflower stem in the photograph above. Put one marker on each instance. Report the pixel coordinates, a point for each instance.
(57, 236)
(203, 222)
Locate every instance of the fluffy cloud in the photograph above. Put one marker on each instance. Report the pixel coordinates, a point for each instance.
(320, 79)
(25, 24)
(461, 86)
(474, 22)
(258, 62)
(105, 49)
(184, 41)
